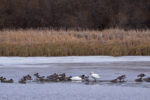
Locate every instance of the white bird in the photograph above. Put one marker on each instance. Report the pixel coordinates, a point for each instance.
(94, 76)
(76, 78)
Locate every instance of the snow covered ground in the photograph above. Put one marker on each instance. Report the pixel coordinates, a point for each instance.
(107, 67)
(70, 59)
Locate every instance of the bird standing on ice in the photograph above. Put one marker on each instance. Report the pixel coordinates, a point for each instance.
(94, 76)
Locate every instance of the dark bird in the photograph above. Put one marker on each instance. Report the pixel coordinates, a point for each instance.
(121, 78)
(28, 77)
(55, 77)
(141, 75)
(139, 80)
(85, 78)
(68, 78)
(7, 81)
(22, 80)
(62, 77)
(114, 81)
(39, 78)
(147, 79)
(1, 78)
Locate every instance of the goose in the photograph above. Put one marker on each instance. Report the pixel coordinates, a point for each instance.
(94, 76)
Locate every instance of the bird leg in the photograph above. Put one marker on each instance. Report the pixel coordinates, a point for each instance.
(95, 79)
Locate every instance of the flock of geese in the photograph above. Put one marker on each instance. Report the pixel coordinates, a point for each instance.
(62, 77)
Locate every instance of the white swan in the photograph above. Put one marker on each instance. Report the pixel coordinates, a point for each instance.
(76, 78)
(94, 76)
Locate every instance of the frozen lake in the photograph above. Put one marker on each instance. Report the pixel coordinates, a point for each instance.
(106, 66)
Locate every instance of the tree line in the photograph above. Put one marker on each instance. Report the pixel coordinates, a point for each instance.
(75, 14)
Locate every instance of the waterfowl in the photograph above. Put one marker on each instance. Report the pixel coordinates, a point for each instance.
(141, 75)
(80, 78)
(39, 78)
(22, 80)
(54, 77)
(139, 80)
(28, 77)
(62, 77)
(68, 78)
(147, 79)
(76, 78)
(121, 78)
(114, 81)
(94, 76)
(7, 81)
(1, 78)
(84, 77)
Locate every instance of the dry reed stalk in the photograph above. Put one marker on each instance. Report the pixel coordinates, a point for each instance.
(115, 42)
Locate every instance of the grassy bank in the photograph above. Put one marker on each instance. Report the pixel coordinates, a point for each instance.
(113, 42)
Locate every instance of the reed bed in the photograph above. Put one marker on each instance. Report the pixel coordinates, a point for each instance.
(113, 42)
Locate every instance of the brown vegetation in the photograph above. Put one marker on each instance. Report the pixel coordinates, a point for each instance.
(115, 42)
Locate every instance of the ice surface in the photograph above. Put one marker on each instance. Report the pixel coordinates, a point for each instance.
(107, 67)
(58, 91)
(69, 59)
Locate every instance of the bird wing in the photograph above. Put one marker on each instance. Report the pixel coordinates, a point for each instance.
(76, 78)
(95, 76)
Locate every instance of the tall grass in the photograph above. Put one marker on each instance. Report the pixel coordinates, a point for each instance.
(115, 42)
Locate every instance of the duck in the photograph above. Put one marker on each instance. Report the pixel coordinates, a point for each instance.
(1, 78)
(22, 80)
(85, 78)
(68, 78)
(94, 76)
(39, 78)
(28, 77)
(147, 79)
(62, 77)
(114, 81)
(52, 76)
(141, 75)
(7, 81)
(121, 78)
(55, 77)
(139, 80)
